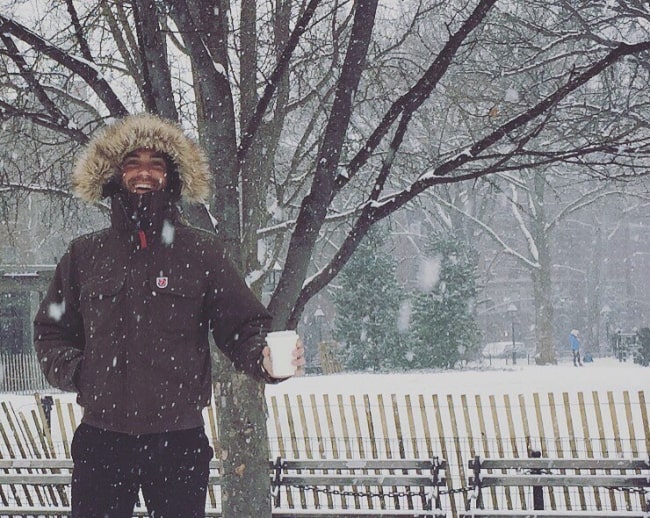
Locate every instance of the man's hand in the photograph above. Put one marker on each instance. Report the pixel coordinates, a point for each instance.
(298, 359)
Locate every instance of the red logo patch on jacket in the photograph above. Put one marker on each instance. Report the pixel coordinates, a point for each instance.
(161, 282)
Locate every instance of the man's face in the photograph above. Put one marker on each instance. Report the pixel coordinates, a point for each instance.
(144, 170)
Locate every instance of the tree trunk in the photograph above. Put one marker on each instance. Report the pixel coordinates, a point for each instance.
(243, 446)
(594, 291)
(243, 441)
(156, 88)
(542, 287)
(542, 290)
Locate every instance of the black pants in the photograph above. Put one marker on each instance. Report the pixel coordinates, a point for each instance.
(576, 357)
(171, 468)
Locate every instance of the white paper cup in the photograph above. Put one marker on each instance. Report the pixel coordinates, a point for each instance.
(282, 345)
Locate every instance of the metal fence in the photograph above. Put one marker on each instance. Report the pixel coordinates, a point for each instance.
(21, 374)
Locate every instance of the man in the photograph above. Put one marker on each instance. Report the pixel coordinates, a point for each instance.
(125, 325)
(574, 342)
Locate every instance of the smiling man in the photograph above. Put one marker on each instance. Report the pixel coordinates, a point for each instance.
(125, 325)
(143, 171)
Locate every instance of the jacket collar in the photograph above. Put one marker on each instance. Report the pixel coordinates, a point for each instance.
(133, 213)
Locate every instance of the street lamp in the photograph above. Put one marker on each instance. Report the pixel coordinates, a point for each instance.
(271, 282)
(276, 272)
(605, 312)
(319, 316)
(512, 311)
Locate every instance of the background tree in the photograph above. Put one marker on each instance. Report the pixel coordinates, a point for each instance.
(443, 326)
(528, 217)
(367, 299)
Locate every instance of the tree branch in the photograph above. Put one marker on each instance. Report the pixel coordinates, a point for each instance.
(33, 83)
(157, 87)
(78, 32)
(46, 121)
(314, 206)
(420, 92)
(271, 85)
(87, 71)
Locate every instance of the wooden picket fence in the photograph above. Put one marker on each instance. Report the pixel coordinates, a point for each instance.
(388, 426)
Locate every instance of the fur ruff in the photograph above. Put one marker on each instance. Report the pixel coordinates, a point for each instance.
(104, 154)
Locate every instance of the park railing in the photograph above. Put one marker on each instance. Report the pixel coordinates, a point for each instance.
(457, 428)
(21, 374)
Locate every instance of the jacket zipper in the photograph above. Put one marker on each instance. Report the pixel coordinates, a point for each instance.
(143, 239)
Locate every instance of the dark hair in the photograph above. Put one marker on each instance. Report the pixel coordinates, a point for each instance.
(173, 178)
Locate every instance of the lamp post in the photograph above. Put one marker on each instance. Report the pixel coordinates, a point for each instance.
(323, 357)
(605, 312)
(271, 283)
(512, 311)
(276, 272)
(319, 316)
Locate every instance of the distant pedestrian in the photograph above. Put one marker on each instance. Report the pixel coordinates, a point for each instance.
(574, 341)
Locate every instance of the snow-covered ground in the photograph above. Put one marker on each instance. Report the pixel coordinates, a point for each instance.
(603, 374)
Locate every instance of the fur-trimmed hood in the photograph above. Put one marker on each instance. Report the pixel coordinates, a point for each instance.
(100, 162)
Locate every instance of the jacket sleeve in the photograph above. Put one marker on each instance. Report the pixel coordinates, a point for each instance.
(239, 321)
(58, 329)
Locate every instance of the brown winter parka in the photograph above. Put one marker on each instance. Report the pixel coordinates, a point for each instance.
(125, 321)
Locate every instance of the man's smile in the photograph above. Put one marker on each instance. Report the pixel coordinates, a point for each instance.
(144, 186)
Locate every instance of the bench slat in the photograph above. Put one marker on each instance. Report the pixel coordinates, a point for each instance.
(392, 464)
(480, 513)
(58, 479)
(62, 464)
(44, 479)
(587, 480)
(335, 479)
(360, 513)
(36, 463)
(53, 511)
(545, 464)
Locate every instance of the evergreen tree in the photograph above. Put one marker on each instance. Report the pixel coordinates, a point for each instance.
(367, 303)
(443, 327)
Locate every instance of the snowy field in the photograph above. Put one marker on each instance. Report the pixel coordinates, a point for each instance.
(603, 374)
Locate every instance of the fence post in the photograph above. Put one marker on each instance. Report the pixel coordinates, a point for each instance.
(47, 402)
(538, 491)
(477, 482)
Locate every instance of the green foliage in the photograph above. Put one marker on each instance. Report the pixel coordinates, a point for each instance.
(643, 354)
(443, 327)
(367, 304)
(443, 330)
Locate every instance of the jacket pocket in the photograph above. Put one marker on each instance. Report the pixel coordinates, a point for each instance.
(101, 303)
(177, 304)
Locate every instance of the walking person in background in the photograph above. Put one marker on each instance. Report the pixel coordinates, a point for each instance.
(125, 325)
(574, 341)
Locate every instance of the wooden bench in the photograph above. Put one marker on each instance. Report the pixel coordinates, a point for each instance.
(41, 487)
(305, 488)
(361, 487)
(559, 487)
